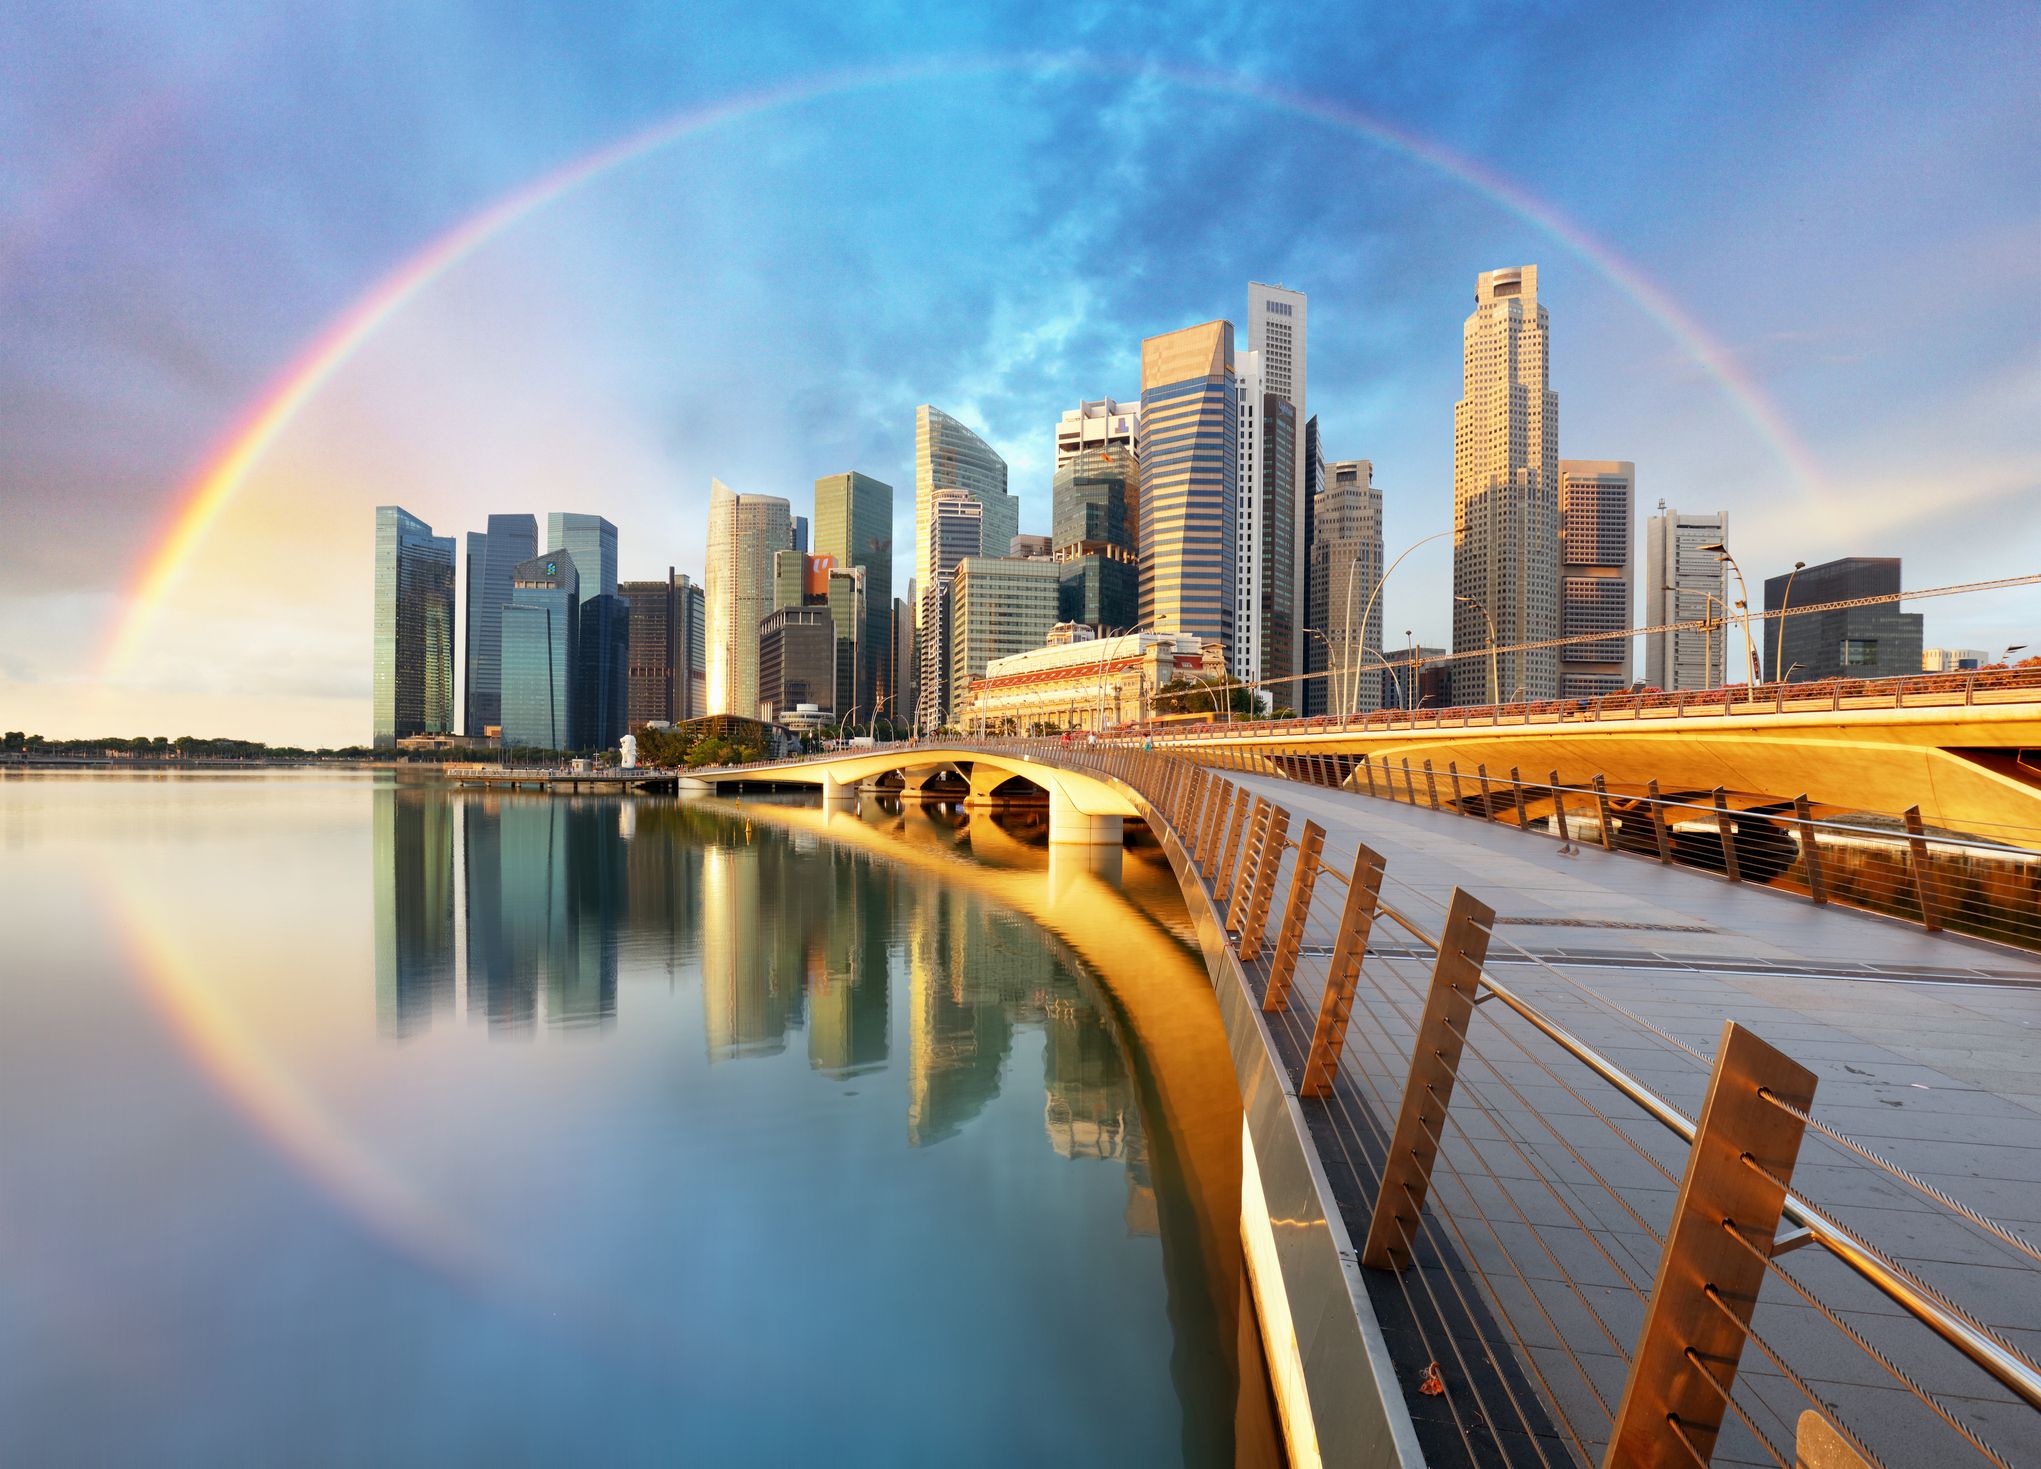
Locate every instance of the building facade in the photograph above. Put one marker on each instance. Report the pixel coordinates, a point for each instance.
(657, 665)
(1311, 657)
(744, 532)
(1346, 570)
(854, 526)
(602, 673)
(1953, 660)
(1596, 504)
(796, 662)
(905, 679)
(592, 542)
(947, 456)
(1683, 583)
(1265, 625)
(956, 532)
(1095, 507)
(1879, 641)
(1506, 492)
(1081, 684)
(1190, 412)
(509, 540)
(412, 668)
(998, 607)
(541, 638)
(1276, 321)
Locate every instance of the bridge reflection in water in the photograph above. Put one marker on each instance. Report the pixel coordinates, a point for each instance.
(520, 909)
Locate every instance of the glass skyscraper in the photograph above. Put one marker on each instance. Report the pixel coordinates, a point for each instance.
(1095, 502)
(541, 631)
(602, 658)
(509, 540)
(413, 656)
(592, 542)
(854, 525)
(744, 532)
(1189, 488)
(948, 456)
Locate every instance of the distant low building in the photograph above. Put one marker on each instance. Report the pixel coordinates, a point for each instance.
(1953, 660)
(1082, 683)
(1878, 641)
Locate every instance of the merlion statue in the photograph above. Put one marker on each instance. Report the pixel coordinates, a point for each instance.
(628, 746)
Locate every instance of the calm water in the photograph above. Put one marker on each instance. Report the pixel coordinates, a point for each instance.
(344, 1121)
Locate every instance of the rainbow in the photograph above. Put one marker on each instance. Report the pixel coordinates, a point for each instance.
(199, 504)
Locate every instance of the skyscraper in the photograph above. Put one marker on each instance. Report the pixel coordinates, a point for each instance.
(1312, 656)
(491, 555)
(1265, 587)
(412, 668)
(1878, 641)
(1506, 492)
(905, 676)
(666, 649)
(998, 607)
(1346, 569)
(1276, 318)
(1683, 583)
(845, 597)
(947, 455)
(1595, 498)
(854, 525)
(1189, 482)
(541, 641)
(744, 531)
(602, 673)
(796, 661)
(592, 542)
(1095, 518)
(955, 531)
(691, 643)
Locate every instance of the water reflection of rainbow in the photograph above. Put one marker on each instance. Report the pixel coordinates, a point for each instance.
(242, 1068)
(199, 505)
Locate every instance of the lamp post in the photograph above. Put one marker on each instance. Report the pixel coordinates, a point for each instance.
(1369, 609)
(1410, 683)
(1721, 551)
(2011, 648)
(1785, 600)
(1494, 675)
(1316, 633)
(1388, 668)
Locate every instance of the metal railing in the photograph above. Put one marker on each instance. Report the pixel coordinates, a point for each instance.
(1582, 1290)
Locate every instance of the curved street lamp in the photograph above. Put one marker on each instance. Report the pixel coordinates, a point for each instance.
(1779, 659)
(1494, 676)
(1721, 549)
(1383, 581)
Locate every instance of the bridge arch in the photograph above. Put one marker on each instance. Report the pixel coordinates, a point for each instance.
(1083, 809)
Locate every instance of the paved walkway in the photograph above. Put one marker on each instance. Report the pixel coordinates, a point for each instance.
(1926, 1052)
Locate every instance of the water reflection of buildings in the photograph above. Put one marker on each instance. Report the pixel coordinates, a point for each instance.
(544, 896)
(413, 846)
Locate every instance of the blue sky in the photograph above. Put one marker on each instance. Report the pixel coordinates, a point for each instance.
(1845, 197)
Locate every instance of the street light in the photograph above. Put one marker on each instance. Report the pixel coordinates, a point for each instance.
(1494, 678)
(1750, 652)
(1784, 602)
(1410, 684)
(1316, 633)
(1369, 609)
(2011, 648)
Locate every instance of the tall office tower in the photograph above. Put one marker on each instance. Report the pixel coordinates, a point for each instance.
(1276, 319)
(998, 607)
(1098, 424)
(1189, 487)
(592, 542)
(602, 673)
(1312, 657)
(541, 640)
(691, 648)
(744, 531)
(1878, 641)
(1265, 608)
(948, 455)
(800, 533)
(1346, 570)
(956, 529)
(796, 661)
(901, 680)
(1595, 500)
(658, 666)
(845, 597)
(413, 665)
(491, 554)
(1683, 583)
(854, 524)
(1506, 492)
(799, 580)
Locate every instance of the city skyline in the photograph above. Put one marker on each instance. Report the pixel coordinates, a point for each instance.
(1734, 367)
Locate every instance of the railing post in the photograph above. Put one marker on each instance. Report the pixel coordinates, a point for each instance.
(1241, 883)
(1487, 803)
(1428, 1091)
(1459, 800)
(1241, 801)
(1296, 910)
(1516, 780)
(1194, 801)
(1917, 860)
(1602, 814)
(1810, 853)
(1431, 785)
(1709, 1273)
(1368, 765)
(1409, 786)
(1658, 828)
(1722, 824)
(1336, 1005)
(1559, 809)
(1275, 839)
(1210, 828)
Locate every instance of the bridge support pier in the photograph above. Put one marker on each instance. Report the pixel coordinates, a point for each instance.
(1070, 826)
(688, 785)
(836, 794)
